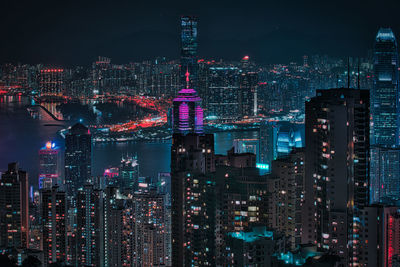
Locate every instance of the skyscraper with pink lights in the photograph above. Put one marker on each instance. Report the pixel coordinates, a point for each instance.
(187, 112)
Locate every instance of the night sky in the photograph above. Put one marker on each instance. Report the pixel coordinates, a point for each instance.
(76, 32)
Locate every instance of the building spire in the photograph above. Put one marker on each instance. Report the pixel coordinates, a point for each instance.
(187, 74)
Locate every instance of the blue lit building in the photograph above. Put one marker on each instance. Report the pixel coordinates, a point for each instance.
(385, 111)
(278, 138)
(385, 106)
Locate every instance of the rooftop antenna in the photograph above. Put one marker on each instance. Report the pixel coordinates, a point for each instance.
(358, 74)
(187, 74)
(348, 72)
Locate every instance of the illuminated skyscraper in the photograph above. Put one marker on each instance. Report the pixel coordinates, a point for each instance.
(385, 111)
(49, 162)
(187, 111)
(54, 214)
(189, 49)
(337, 169)
(385, 107)
(14, 208)
(78, 148)
(150, 232)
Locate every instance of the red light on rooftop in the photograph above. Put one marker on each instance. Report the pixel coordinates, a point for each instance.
(246, 58)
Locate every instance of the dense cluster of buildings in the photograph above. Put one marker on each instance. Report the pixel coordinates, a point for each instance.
(320, 193)
(230, 90)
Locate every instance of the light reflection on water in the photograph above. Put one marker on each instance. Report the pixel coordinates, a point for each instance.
(21, 137)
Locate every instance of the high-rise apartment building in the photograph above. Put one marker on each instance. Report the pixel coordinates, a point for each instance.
(14, 207)
(290, 172)
(192, 191)
(150, 231)
(113, 227)
(53, 203)
(89, 220)
(242, 201)
(337, 169)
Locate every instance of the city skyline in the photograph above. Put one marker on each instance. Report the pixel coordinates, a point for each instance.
(196, 161)
(74, 33)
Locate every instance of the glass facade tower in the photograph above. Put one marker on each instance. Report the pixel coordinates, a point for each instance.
(189, 50)
(385, 92)
(385, 110)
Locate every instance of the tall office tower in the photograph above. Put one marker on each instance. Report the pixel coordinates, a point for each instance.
(242, 201)
(14, 208)
(192, 160)
(164, 188)
(248, 82)
(385, 112)
(291, 173)
(379, 236)
(150, 231)
(53, 204)
(49, 166)
(128, 174)
(78, 148)
(222, 95)
(385, 107)
(337, 169)
(90, 239)
(128, 249)
(187, 114)
(189, 50)
(51, 82)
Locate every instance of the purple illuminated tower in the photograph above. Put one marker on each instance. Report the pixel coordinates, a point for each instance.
(187, 112)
